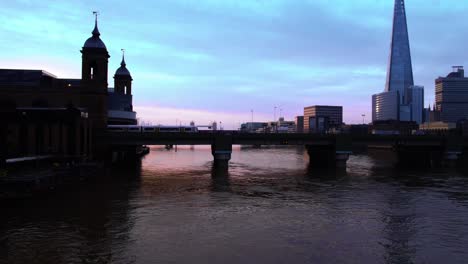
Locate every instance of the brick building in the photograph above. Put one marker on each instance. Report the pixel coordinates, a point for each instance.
(42, 92)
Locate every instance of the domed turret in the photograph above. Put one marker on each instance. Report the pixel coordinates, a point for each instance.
(95, 61)
(122, 78)
(122, 70)
(95, 41)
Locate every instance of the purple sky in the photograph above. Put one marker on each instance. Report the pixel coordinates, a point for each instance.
(216, 60)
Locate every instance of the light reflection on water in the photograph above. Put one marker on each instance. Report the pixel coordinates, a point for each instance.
(269, 208)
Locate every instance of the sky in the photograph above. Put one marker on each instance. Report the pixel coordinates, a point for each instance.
(212, 60)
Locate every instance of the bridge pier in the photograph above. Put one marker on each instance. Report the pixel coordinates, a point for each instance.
(420, 156)
(452, 158)
(3, 146)
(221, 149)
(327, 157)
(124, 155)
(335, 154)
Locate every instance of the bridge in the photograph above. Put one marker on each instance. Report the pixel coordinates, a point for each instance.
(324, 150)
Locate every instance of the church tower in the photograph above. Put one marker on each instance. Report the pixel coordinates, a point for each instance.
(94, 86)
(95, 59)
(123, 78)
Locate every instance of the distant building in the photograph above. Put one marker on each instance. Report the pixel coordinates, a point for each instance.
(414, 99)
(401, 100)
(437, 126)
(452, 96)
(400, 69)
(281, 126)
(252, 127)
(357, 130)
(431, 114)
(393, 127)
(299, 122)
(385, 106)
(320, 118)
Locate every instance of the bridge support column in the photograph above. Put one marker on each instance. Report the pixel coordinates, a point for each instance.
(221, 150)
(327, 157)
(3, 146)
(341, 158)
(451, 158)
(419, 156)
(332, 155)
(124, 156)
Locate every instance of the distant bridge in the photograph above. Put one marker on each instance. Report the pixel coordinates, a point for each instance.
(324, 150)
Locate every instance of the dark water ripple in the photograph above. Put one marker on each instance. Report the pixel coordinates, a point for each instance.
(269, 208)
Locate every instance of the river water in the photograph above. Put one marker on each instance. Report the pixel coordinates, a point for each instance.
(270, 208)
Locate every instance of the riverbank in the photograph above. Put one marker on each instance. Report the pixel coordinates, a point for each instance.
(31, 176)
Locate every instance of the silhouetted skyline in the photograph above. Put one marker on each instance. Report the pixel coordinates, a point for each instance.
(189, 60)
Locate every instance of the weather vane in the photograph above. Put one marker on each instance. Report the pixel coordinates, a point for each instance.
(96, 13)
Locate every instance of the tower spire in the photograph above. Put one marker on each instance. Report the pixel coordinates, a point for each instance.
(123, 64)
(96, 32)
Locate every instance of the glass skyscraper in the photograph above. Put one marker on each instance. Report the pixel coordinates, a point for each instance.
(396, 102)
(400, 69)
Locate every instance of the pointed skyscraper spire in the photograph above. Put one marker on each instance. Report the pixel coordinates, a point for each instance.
(400, 69)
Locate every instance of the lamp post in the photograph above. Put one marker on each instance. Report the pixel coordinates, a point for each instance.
(363, 117)
(274, 113)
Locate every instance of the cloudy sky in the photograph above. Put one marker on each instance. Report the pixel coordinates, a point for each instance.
(217, 60)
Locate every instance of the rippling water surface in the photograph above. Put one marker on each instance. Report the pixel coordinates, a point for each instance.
(270, 208)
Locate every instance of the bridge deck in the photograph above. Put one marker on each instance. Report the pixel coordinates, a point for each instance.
(236, 138)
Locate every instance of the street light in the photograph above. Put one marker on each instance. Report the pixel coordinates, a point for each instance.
(363, 116)
(274, 113)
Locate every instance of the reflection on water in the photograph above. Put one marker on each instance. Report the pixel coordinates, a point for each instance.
(270, 207)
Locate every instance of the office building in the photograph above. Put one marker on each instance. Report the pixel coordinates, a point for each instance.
(321, 118)
(415, 101)
(253, 127)
(299, 122)
(281, 126)
(400, 70)
(451, 94)
(385, 106)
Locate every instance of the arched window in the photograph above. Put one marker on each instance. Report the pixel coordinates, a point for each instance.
(92, 70)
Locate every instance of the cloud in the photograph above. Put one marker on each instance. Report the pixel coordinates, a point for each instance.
(228, 57)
